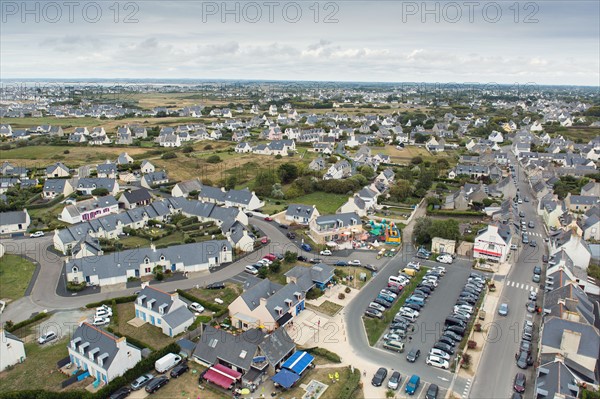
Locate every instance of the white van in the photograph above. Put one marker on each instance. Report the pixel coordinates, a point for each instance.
(398, 281)
(394, 346)
(166, 362)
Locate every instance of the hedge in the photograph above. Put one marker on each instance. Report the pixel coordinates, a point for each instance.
(208, 305)
(442, 212)
(117, 300)
(144, 366)
(47, 204)
(199, 320)
(24, 323)
(331, 356)
(350, 386)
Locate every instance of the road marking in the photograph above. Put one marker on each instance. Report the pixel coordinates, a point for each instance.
(527, 288)
(443, 379)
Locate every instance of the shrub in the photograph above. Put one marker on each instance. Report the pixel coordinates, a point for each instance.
(341, 295)
(278, 156)
(466, 359)
(121, 299)
(471, 344)
(314, 293)
(168, 155)
(15, 327)
(213, 159)
(160, 276)
(66, 152)
(208, 147)
(187, 149)
(74, 287)
(347, 290)
(478, 327)
(331, 356)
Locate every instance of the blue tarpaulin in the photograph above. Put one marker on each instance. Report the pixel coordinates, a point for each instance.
(285, 378)
(298, 362)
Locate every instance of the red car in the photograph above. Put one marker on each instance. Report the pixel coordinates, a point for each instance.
(268, 219)
(271, 257)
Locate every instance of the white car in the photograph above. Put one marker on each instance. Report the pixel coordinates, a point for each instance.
(439, 353)
(392, 337)
(37, 234)
(251, 269)
(513, 247)
(464, 308)
(444, 259)
(532, 295)
(325, 252)
(387, 292)
(408, 312)
(103, 311)
(354, 262)
(376, 306)
(440, 269)
(196, 307)
(101, 321)
(431, 281)
(436, 361)
(49, 336)
(414, 265)
(265, 262)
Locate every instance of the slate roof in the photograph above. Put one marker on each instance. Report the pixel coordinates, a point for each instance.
(554, 380)
(160, 298)
(589, 344)
(155, 177)
(277, 345)
(346, 219)
(583, 200)
(178, 316)
(56, 185)
(97, 338)
(139, 195)
(238, 350)
(97, 182)
(554, 300)
(59, 165)
(13, 217)
(188, 186)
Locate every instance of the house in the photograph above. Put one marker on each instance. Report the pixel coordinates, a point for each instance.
(117, 267)
(56, 131)
(551, 210)
(163, 310)
(317, 164)
(55, 187)
(339, 170)
(568, 300)
(338, 227)
(243, 147)
(124, 137)
(575, 247)
(107, 170)
(243, 199)
(88, 246)
(493, 243)
(580, 203)
(301, 214)
(169, 140)
(57, 170)
(146, 167)
(369, 196)
(89, 209)
(131, 199)
(434, 146)
(124, 159)
(387, 177)
(591, 189)
(473, 171)
(5, 130)
(103, 355)
(496, 137)
(184, 188)
(250, 356)
(139, 132)
(87, 185)
(152, 180)
(14, 222)
(355, 204)
(12, 350)
(590, 228)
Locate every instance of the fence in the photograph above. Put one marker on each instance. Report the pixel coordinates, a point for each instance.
(191, 335)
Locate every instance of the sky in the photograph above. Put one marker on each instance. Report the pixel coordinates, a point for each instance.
(544, 42)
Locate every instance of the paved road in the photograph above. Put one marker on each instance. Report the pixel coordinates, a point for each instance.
(498, 367)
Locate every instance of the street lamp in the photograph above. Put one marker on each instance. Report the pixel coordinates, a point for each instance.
(457, 360)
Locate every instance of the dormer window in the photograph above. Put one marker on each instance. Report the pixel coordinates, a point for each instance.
(298, 295)
(141, 300)
(162, 308)
(150, 303)
(162, 257)
(146, 260)
(279, 310)
(83, 347)
(288, 302)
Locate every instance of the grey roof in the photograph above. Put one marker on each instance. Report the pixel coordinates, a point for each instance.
(554, 379)
(238, 350)
(221, 195)
(97, 182)
(589, 344)
(116, 264)
(14, 217)
(56, 185)
(139, 195)
(153, 178)
(307, 276)
(92, 203)
(160, 298)
(583, 200)
(568, 297)
(105, 342)
(11, 336)
(300, 210)
(107, 168)
(178, 316)
(339, 219)
(468, 169)
(367, 193)
(263, 289)
(277, 346)
(190, 185)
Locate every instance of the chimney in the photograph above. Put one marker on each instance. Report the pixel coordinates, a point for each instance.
(571, 304)
(153, 247)
(263, 301)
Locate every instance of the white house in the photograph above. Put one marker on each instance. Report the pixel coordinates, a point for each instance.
(15, 222)
(243, 199)
(163, 310)
(88, 184)
(147, 167)
(339, 170)
(57, 170)
(89, 209)
(184, 188)
(55, 187)
(152, 180)
(576, 247)
(104, 355)
(116, 268)
(493, 243)
(12, 350)
(301, 214)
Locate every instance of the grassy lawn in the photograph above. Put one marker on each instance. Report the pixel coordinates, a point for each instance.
(376, 327)
(329, 308)
(355, 272)
(347, 382)
(147, 333)
(39, 369)
(326, 203)
(176, 237)
(15, 274)
(134, 242)
(227, 295)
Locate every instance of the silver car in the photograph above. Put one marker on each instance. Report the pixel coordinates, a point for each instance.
(141, 381)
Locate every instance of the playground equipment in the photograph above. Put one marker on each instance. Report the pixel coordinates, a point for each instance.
(388, 232)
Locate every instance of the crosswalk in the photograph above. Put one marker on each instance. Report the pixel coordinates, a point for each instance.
(535, 234)
(522, 286)
(465, 393)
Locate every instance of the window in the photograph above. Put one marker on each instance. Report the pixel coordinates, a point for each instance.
(146, 261)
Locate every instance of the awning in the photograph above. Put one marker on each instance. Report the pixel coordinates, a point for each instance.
(285, 378)
(282, 321)
(298, 362)
(483, 251)
(221, 376)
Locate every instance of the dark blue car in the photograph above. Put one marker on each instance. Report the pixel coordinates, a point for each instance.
(306, 247)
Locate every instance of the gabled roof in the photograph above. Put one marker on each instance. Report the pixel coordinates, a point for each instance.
(105, 342)
(238, 350)
(13, 217)
(554, 380)
(138, 195)
(178, 317)
(300, 210)
(569, 297)
(554, 327)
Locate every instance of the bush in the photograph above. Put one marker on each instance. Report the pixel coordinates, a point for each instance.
(213, 159)
(347, 290)
(471, 344)
(314, 293)
(331, 356)
(160, 276)
(74, 287)
(290, 257)
(466, 359)
(121, 299)
(66, 152)
(14, 327)
(187, 149)
(478, 327)
(341, 295)
(168, 155)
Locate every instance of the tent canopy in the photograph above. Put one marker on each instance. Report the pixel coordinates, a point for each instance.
(298, 362)
(221, 376)
(285, 378)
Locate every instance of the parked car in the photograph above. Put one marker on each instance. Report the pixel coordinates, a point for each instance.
(456, 329)
(524, 360)
(413, 355)
(179, 370)
(354, 262)
(444, 347)
(413, 384)
(156, 384)
(370, 267)
(452, 335)
(381, 302)
(503, 309)
(251, 270)
(341, 263)
(373, 313)
(394, 381)
(439, 353)
(437, 362)
(306, 247)
(302, 258)
(520, 382)
(47, 337)
(444, 259)
(283, 226)
(101, 321)
(104, 311)
(196, 307)
(432, 392)
(532, 295)
(141, 381)
(536, 278)
(377, 306)
(379, 377)
(121, 393)
(215, 286)
(268, 219)
(37, 234)
(316, 260)
(291, 235)
(447, 340)
(325, 252)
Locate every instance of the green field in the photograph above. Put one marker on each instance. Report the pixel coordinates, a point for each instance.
(15, 275)
(326, 203)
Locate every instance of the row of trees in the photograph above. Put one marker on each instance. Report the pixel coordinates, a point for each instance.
(426, 229)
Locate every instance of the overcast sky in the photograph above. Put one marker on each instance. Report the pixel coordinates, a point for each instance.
(549, 42)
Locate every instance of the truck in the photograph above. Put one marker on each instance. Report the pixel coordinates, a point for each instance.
(166, 362)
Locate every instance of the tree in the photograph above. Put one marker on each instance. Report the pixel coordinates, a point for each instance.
(263, 272)
(187, 149)
(367, 172)
(287, 172)
(290, 257)
(420, 138)
(416, 160)
(275, 266)
(231, 182)
(400, 191)
(100, 192)
(421, 230)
